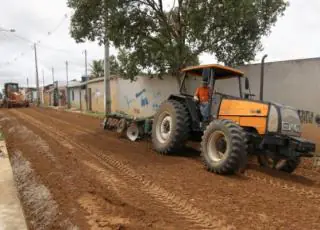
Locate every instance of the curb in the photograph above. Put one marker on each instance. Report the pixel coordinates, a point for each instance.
(11, 213)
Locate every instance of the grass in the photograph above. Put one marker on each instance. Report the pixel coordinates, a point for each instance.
(95, 114)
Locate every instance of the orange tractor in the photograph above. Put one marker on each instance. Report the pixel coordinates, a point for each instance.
(13, 97)
(238, 126)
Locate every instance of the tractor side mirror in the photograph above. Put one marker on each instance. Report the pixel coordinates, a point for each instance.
(247, 84)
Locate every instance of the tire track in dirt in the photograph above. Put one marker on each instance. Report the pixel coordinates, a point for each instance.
(247, 213)
(313, 173)
(112, 205)
(295, 188)
(177, 204)
(289, 187)
(21, 142)
(121, 189)
(80, 129)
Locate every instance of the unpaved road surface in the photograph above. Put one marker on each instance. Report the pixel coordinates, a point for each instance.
(91, 179)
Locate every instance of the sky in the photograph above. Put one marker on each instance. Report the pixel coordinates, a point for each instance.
(47, 22)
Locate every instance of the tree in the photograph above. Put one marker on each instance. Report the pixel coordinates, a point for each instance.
(114, 65)
(161, 40)
(97, 67)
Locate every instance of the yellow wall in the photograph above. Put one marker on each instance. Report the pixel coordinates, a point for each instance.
(46, 99)
(97, 96)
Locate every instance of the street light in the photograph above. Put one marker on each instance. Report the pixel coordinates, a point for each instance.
(5, 30)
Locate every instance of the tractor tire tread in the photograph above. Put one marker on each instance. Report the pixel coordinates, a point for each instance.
(182, 131)
(238, 151)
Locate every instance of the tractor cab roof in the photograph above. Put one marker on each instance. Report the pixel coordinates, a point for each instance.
(220, 71)
(11, 83)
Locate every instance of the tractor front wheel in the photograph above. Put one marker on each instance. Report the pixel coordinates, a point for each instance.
(171, 127)
(284, 165)
(223, 147)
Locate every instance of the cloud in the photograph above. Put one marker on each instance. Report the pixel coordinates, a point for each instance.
(295, 35)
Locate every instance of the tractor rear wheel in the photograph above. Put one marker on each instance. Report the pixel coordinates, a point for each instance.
(171, 127)
(224, 147)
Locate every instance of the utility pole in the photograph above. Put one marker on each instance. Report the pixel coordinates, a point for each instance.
(27, 90)
(86, 73)
(67, 74)
(43, 78)
(52, 75)
(37, 74)
(42, 86)
(107, 97)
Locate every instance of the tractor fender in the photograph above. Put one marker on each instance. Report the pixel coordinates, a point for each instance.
(192, 108)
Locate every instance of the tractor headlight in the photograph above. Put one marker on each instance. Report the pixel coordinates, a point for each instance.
(291, 124)
(273, 119)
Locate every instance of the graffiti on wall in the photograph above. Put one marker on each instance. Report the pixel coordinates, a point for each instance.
(156, 101)
(129, 101)
(308, 117)
(140, 93)
(143, 102)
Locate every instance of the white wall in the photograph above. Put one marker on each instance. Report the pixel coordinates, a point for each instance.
(143, 97)
(75, 102)
(295, 83)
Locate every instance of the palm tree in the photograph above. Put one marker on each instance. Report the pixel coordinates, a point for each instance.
(97, 69)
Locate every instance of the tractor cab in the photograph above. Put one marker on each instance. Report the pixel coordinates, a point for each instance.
(211, 74)
(11, 88)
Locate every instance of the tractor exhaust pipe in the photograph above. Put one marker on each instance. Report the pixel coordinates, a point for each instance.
(262, 77)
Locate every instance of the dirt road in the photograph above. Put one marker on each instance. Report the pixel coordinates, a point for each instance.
(91, 179)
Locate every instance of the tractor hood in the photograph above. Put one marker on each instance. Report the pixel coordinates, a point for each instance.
(268, 117)
(240, 107)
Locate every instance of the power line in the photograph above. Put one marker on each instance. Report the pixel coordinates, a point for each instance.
(22, 38)
(59, 25)
(52, 48)
(39, 41)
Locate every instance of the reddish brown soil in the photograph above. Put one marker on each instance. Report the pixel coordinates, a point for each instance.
(101, 181)
(312, 132)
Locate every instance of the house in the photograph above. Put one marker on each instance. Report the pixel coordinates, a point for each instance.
(96, 94)
(74, 94)
(46, 94)
(30, 93)
(61, 91)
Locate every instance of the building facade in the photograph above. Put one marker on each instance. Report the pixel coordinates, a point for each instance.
(74, 92)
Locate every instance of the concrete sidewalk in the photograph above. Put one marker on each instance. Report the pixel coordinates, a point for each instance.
(11, 214)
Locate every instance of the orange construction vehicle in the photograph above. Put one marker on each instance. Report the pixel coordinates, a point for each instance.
(13, 97)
